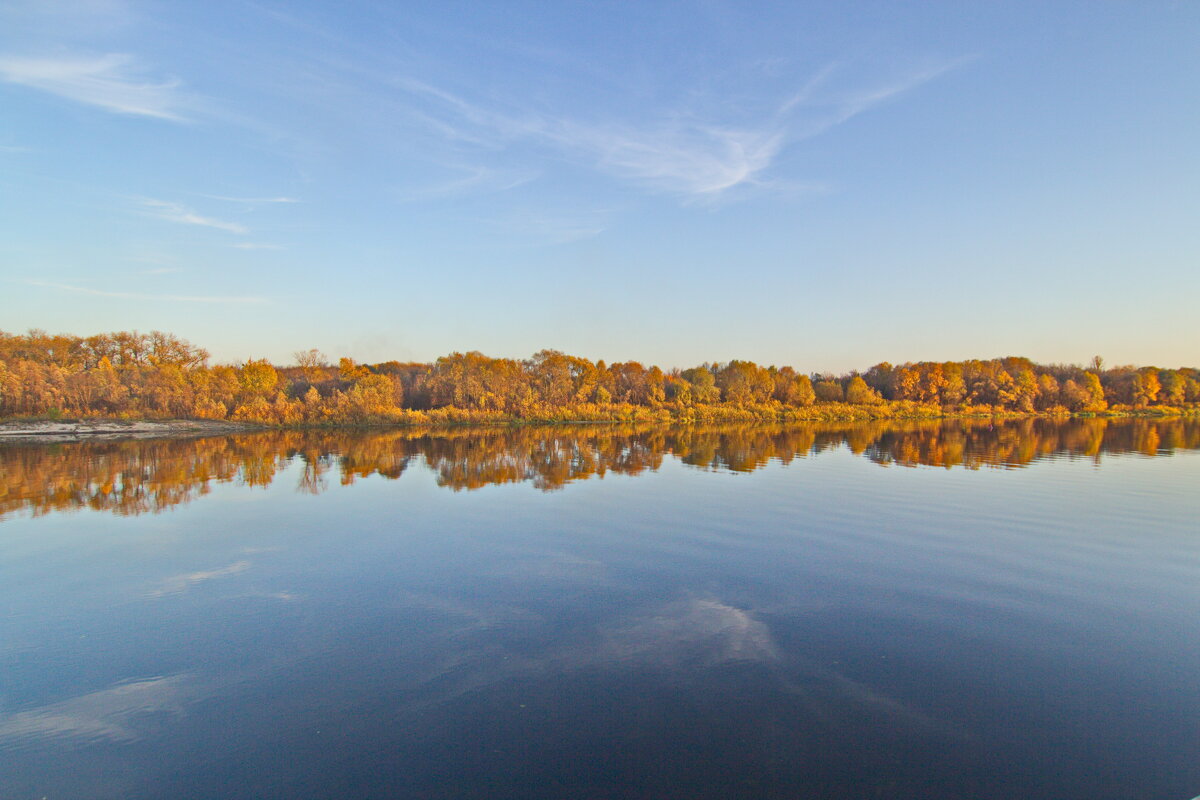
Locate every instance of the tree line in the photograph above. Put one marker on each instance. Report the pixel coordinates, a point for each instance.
(158, 375)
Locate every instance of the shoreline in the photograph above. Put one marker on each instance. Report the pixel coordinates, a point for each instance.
(72, 430)
(42, 430)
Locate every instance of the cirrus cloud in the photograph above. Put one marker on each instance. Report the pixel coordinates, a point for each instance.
(113, 82)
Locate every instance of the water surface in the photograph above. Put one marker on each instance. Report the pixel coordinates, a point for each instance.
(918, 610)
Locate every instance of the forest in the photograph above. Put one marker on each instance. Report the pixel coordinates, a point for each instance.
(131, 375)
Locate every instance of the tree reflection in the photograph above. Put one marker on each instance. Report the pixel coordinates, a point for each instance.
(140, 476)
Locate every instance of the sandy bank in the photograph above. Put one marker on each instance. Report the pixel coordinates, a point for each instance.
(47, 430)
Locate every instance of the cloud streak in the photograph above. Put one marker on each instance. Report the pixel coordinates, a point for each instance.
(846, 106)
(676, 154)
(112, 82)
(180, 298)
(695, 159)
(476, 180)
(252, 200)
(683, 153)
(174, 212)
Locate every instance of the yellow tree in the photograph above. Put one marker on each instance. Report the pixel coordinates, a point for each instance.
(858, 393)
(704, 385)
(1095, 392)
(349, 372)
(258, 378)
(1025, 390)
(802, 392)
(1174, 387)
(1146, 387)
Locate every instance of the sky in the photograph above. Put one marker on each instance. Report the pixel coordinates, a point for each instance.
(825, 185)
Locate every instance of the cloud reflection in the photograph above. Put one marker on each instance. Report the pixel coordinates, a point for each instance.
(181, 583)
(115, 714)
(706, 632)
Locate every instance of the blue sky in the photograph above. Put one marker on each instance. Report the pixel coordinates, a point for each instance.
(824, 185)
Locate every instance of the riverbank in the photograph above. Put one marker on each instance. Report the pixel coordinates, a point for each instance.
(44, 430)
(69, 430)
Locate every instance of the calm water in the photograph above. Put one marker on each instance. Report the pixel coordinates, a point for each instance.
(870, 612)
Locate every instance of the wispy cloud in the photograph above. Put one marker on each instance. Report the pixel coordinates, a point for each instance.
(257, 246)
(678, 153)
(845, 105)
(682, 157)
(161, 271)
(473, 180)
(810, 87)
(174, 212)
(113, 82)
(684, 152)
(182, 298)
(252, 200)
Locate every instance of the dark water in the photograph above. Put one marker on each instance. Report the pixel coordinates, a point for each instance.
(918, 611)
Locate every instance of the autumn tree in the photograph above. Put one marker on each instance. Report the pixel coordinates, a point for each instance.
(859, 393)
(954, 387)
(257, 378)
(803, 392)
(1146, 387)
(1095, 392)
(1174, 387)
(312, 364)
(349, 371)
(1025, 390)
(704, 384)
(906, 384)
(1047, 392)
(829, 390)
(744, 382)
